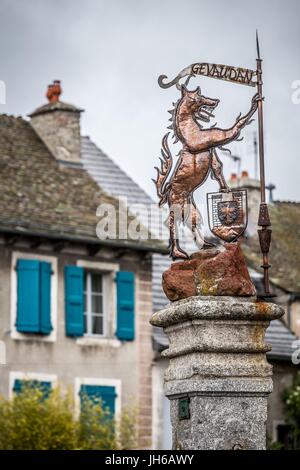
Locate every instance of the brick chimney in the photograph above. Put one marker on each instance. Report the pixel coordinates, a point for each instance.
(58, 125)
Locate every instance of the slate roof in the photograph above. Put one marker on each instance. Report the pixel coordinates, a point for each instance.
(115, 182)
(39, 196)
(281, 339)
(284, 252)
(109, 175)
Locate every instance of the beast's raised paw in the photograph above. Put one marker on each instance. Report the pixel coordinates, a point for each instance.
(255, 100)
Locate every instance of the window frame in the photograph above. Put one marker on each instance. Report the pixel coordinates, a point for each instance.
(89, 293)
(17, 335)
(108, 270)
(38, 376)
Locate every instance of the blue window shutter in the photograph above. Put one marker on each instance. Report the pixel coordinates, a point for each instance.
(43, 385)
(18, 385)
(46, 387)
(28, 298)
(107, 394)
(74, 279)
(45, 298)
(125, 305)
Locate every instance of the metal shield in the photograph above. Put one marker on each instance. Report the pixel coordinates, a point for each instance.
(227, 214)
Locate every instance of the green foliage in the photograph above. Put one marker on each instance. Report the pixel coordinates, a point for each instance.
(291, 399)
(273, 445)
(96, 426)
(29, 421)
(292, 403)
(127, 429)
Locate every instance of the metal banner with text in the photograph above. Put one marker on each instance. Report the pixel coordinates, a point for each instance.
(225, 72)
(229, 73)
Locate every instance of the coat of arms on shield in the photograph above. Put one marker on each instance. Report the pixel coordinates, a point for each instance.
(227, 214)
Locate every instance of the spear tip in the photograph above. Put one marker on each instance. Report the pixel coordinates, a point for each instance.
(257, 45)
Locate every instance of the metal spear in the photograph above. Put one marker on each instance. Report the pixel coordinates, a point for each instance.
(263, 220)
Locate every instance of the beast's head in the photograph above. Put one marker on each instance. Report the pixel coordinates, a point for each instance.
(201, 106)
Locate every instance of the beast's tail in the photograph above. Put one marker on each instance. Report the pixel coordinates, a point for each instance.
(162, 174)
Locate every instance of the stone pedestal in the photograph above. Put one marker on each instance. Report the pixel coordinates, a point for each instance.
(218, 379)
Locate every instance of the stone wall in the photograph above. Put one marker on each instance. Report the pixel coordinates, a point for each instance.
(60, 131)
(145, 357)
(283, 374)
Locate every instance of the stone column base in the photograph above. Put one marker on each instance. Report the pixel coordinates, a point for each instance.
(218, 379)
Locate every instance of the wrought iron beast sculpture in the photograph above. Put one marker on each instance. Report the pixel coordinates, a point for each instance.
(197, 159)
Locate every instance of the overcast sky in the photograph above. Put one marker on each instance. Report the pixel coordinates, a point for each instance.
(109, 54)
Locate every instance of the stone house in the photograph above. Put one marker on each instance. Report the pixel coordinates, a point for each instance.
(74, 309)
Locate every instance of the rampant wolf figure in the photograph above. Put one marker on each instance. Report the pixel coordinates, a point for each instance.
(197, 159)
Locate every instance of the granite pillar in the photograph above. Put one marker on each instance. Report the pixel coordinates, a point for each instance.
(218, 379)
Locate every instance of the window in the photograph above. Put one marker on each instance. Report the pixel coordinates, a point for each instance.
(99, 301)
(99, 393)
(18, 379)
(107, 389)
(44, 386)
(94, 304)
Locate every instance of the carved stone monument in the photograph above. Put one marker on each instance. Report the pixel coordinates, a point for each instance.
(218, 379)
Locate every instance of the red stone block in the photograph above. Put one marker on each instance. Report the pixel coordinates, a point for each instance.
(214, 271)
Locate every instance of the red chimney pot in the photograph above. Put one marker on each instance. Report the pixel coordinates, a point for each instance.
(54, 91)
